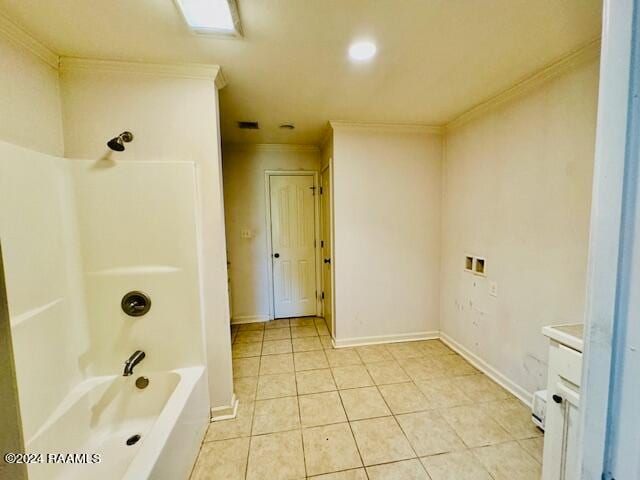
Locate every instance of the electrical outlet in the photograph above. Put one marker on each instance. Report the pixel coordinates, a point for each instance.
(245, 233)
(493, 288)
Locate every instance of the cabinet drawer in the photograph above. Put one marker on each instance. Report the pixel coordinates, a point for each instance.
(568, 362)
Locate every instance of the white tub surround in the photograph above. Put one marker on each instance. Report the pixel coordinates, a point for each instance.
(73, 397)
(172, 110)
(101, 413)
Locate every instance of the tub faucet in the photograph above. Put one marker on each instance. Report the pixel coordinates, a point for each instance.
(133, 360)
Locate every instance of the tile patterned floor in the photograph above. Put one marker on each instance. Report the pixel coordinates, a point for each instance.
(405, 411)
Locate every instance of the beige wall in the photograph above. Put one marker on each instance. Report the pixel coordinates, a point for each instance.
(30, 100)
(386, 196)
(245, 208)
(172, 119)
(517, 191)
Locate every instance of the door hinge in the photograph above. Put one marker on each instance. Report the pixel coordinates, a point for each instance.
(313, 190)
(322, 296)
(321, 190)
(321, 243)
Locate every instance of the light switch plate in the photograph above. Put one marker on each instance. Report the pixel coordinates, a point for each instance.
(493, 288)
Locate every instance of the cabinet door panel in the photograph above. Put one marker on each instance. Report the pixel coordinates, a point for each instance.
(562, 454)
(570, 460)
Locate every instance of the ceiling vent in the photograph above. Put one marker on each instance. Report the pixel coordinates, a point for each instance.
(248, 125)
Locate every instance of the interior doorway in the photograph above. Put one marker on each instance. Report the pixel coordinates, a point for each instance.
(292, 231)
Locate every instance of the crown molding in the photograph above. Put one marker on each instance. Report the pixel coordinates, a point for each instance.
(192, 71)
(387, 127)
(327, 136)
(585, 53)
(221, 80)
(22, 38)
(271, 147)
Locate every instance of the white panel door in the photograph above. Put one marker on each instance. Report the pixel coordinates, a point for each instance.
(292, 245)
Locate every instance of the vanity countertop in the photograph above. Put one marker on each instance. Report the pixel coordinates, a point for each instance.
(570, 335)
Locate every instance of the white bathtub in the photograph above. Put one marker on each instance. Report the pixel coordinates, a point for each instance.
(170, 415)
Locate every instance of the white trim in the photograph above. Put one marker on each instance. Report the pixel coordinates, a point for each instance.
(220, 80)
(401, 337)
(22, 38)
(521, 393)
(192, 71)
(388, 127)
(588, 51)
(326, 135)
(329, 169)
(316, 220)
(271, 147)
(226, 412)
(491, 372)
(607, 377)
(242, 319)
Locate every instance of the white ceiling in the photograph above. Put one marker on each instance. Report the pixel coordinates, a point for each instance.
(436, 58)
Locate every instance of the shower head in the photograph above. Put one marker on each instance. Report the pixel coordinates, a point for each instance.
(117, 143)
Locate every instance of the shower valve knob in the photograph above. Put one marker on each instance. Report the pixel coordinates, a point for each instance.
(135, 303)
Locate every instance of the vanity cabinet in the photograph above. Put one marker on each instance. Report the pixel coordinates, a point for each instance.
(562, 454)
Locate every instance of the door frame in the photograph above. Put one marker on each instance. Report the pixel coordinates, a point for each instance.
(610, 371)
(316, 231)
(329, 169)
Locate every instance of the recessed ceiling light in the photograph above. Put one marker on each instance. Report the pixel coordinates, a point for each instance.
(211, 16)
(362, 50)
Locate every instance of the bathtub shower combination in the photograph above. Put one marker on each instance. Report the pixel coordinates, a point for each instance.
(104, 303)
(138, 433)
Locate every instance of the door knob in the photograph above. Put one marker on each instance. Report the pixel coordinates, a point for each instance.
(557, 398)
(276, 255)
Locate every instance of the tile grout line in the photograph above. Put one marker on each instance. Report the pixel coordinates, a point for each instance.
(253, 414)
(355, 442)
(400, 425)
(394, 415)
(439, 413)
(295, 381)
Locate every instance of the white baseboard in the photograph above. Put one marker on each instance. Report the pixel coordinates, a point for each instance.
(488, 370)
(225, 412)
(249, 319)
(403, 337)
(472, 358)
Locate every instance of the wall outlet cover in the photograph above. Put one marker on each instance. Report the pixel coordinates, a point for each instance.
(493, 288)
(245, 233)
